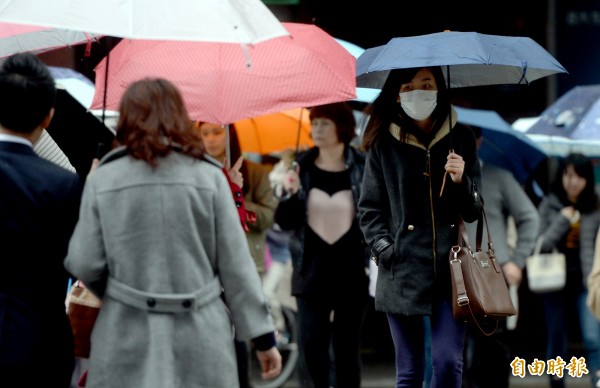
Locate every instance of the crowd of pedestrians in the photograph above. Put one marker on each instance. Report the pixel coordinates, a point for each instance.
(171, 229)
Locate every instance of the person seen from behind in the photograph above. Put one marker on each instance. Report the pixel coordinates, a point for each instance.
(159, 242)
(329, 256)
(422, 174)
(569, 219)
(39, 204)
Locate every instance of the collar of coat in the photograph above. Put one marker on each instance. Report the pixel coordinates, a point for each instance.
(413, 140)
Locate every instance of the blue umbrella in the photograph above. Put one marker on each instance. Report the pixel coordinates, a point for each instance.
(502, 145)
(362, 94)
(468, 59)
(570, 124)
(575, 115)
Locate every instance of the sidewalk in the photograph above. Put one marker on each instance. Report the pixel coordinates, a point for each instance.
(379, 373)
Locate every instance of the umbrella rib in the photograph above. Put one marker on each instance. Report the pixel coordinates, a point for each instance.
(524, 74)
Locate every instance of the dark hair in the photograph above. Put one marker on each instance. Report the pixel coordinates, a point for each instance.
(341, 114)
(386, 109)
(27, 92)
(153, 120)
(587, 200)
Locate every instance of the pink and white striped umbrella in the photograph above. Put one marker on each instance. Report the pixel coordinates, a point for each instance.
(224, 82)
(17, 38)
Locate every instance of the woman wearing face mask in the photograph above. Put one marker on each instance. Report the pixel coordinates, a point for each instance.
(421, 175)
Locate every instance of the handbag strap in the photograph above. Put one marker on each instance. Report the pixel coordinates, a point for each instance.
(480, 221)
(462, 298)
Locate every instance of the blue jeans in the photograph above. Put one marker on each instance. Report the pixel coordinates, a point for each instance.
(447, 341)
(590, 334)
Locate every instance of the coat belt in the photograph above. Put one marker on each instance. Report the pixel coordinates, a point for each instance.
(164, 303)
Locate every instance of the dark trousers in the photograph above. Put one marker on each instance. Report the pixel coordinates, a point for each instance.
(447, 342)
(317, 333)
(487, 359)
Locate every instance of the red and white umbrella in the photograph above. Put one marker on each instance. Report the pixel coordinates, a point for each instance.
(222, 83)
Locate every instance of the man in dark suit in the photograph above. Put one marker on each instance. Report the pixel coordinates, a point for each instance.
(39, 204)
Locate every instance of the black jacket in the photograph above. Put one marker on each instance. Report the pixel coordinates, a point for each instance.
(401, 204)
(291, 214)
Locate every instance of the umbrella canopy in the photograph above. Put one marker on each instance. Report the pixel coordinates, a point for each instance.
(235, 21)
(77, 84)
(77, 132)
(18, 38)
(570, 124)
(470, 58)
(365, 95)
(502, 145)
(575, 115)
(223, 83)
(275, 132)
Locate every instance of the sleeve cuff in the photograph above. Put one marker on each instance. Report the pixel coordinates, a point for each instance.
(264, 342)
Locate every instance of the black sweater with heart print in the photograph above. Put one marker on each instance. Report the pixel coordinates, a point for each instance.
(329, 254)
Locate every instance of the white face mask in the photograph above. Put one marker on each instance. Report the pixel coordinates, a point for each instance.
(419, 104)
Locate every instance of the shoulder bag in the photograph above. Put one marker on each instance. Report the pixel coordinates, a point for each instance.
(480, 293)
(546, 272)
(82, 309)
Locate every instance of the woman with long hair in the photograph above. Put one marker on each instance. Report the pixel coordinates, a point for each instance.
(422, 175)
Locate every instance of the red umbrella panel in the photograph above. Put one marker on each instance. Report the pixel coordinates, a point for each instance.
(226, 82)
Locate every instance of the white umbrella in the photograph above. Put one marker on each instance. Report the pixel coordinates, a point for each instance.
(16, 38)
(234, 21)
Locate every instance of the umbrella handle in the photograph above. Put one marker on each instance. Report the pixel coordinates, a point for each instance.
(227, 147)
(298, 133)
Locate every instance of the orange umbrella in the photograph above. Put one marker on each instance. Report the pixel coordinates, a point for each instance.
(275, 132)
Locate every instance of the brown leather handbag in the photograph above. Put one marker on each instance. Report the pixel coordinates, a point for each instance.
(480, 293)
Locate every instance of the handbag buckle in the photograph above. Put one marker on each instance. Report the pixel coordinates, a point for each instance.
(462, 300)
(455, 249)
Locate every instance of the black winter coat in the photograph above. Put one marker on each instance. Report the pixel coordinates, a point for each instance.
(401, 201)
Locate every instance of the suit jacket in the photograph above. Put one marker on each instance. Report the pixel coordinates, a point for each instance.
(39, 204)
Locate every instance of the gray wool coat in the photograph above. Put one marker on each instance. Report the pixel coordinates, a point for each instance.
(158, 246)
(400, 202)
